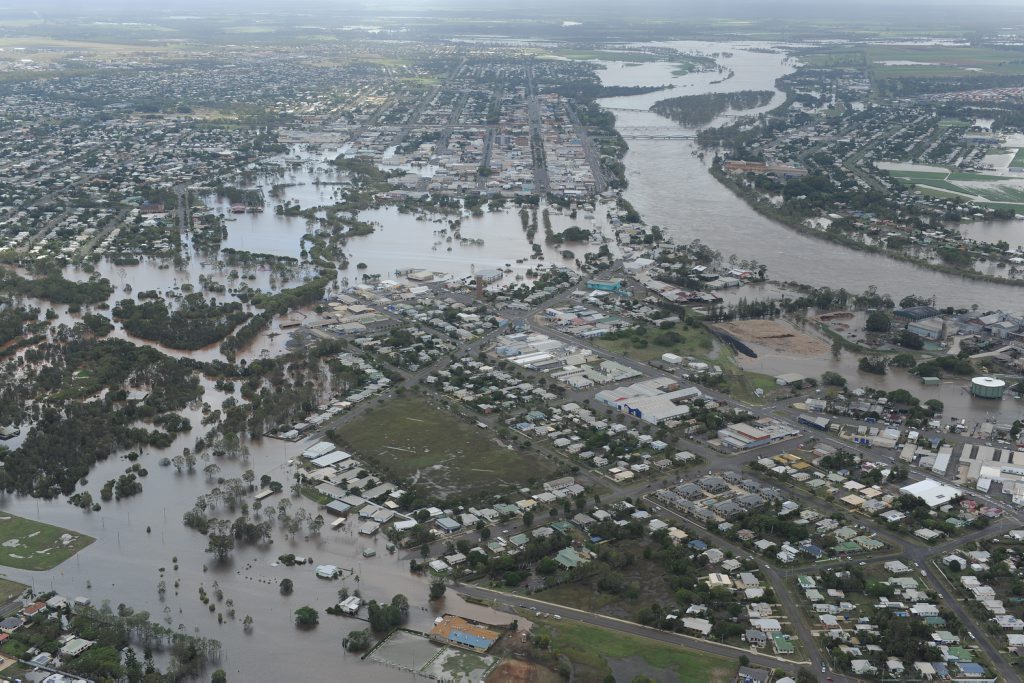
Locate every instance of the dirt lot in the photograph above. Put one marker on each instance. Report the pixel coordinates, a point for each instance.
(518, 671)
(776, 335)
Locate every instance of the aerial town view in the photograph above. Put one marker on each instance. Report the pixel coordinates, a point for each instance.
(501, 342)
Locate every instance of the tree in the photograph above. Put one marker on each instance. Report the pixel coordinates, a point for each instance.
(248, 477)
(873, 365)
(401, 603)
(219, 677)
(247, 624)
(437, 589)
(357, 641)
(833, 379)
(804, 675)
(878, 321)
(211, 470)
(547, 567)
(221, 540)
(306, 617)
(315, 524)
(909, 340)
(287, 586)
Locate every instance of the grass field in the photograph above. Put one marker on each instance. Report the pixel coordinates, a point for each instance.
(942, 61)
(958, 184)
(696, 342)
(1018, 159)
(439, 450)
(25, 544)
(595, 651)
(10, 589)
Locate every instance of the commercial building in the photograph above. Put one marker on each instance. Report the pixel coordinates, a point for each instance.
(932, 492)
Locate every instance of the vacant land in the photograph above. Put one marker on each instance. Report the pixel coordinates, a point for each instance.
(646, 576)
(25, 544)
(597, 653)
(419, 443)
(777, 336)
(518, 671)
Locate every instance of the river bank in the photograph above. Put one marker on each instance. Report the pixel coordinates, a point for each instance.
(768, 211)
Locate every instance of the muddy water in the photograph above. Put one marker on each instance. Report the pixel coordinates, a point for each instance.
(1011, 232)
(952, 392)
(138, 536)
(401, 241)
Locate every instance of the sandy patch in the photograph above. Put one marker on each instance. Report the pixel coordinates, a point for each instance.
(519, 671)
(776, 335)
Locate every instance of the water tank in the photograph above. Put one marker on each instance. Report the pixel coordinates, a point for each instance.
(987, 387)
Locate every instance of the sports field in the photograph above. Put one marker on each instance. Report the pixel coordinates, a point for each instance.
(26, 544)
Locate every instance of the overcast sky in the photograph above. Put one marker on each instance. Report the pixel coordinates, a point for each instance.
(866, 10)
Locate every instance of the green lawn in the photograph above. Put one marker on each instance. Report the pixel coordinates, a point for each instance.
(1018, 158)
(413, 440)
(696, 342)
(26, 544)
(590, 649)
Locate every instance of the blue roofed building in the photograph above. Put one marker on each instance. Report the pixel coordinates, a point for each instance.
(458, 632)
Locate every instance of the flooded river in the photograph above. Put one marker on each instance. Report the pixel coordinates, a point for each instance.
(671, 187)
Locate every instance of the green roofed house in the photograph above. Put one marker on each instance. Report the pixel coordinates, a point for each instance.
(506, 509)
(782, 644)
(960, 654)
(805, 582)
(869, 543)
(935, 621)
(519, 540)
(569, 558)
(846, 547)
(561, 526)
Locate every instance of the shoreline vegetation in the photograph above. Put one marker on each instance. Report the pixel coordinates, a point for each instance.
(798, 226)
(698, 110)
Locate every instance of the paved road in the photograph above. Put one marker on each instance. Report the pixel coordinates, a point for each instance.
(711, 647)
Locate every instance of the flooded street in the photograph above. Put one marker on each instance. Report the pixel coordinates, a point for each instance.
(138, 536)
